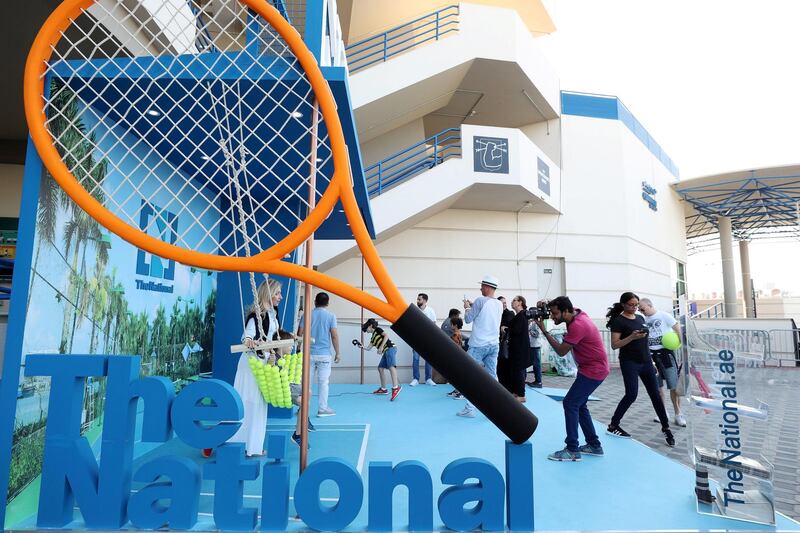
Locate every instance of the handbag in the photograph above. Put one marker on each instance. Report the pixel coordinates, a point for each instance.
(502, 353)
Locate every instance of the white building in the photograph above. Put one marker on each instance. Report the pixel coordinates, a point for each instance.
(495, 170)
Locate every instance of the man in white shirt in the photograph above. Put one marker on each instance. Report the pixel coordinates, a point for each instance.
(422, 303)
(484, 342)
(660, 323)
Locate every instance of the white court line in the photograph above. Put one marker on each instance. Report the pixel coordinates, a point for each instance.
(363, 452)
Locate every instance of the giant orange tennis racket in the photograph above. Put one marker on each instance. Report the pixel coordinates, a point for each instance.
(190, 130)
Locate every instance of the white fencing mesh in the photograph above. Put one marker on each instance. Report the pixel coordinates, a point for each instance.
(188, 120)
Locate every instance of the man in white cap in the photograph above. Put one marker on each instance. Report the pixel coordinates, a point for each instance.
(484, 342)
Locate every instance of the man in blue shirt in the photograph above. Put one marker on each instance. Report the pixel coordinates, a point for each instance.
(324, 346)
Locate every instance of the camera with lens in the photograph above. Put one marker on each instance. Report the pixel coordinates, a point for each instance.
(541, 311)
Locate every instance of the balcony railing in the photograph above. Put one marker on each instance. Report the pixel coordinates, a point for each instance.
(414, 160)
(715, 311)
(379, 48)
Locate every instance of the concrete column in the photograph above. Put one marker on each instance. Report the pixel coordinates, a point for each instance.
(747, 282)
(728, 276)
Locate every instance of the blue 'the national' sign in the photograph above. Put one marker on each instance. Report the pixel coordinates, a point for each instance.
(165, 224)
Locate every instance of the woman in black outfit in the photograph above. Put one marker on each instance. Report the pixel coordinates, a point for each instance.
(513, 369)
(629, 336)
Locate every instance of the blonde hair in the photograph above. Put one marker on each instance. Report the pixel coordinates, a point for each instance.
(266, 290)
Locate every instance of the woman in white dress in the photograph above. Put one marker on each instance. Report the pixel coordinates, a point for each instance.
(254, 423)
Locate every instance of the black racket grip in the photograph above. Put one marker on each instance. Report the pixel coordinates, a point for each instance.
(466, 375)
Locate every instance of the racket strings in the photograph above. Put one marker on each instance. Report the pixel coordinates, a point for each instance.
(199, 114)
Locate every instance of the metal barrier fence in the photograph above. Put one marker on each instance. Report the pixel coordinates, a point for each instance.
(379, 48)
(784, 347)
(777, 347)
(413, 160)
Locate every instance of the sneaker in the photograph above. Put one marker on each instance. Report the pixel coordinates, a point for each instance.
(380, 390)
(452, 393)
(668, 437)
(326, 412)
(565, 455)
(466, 413)
(535, 385)
(311, 426)
(588, 449)
(395, 392)
(296, 440)
(680, 420)
(430, 382)
(617, 431)
(414, 382)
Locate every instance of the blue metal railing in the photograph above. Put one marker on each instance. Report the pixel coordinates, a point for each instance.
(280, 5)
(414, 160)
(379, 48)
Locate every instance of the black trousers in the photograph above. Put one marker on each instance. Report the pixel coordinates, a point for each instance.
(632, 372)
(511, 376)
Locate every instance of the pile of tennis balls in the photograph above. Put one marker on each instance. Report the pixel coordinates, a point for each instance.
(273, 379)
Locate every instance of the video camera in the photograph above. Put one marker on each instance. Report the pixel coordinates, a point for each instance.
(541, 311)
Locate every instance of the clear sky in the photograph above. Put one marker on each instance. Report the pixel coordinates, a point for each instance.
(715, 82)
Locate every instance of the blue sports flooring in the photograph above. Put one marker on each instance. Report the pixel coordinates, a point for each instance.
(632, 488)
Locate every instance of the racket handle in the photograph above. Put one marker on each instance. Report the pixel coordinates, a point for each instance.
(466, 375)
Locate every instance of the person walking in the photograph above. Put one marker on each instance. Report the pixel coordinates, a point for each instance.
(660, 323)
(422, 303)
(324, 347)
(629, 336)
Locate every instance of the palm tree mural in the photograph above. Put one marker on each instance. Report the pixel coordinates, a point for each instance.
(77, 152)
(99, 289)
(78, 233)
(114, 307)
(67, 128)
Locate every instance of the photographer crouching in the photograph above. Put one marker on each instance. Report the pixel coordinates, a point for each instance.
(583, 339)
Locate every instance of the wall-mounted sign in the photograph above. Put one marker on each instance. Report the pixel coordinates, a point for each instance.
(163, 225)
(548, 270)
(649, 195)
(490, 155)
(544, 176)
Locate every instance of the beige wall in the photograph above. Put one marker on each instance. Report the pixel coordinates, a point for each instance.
(10, 190)
(547, 136)
(446, 255)
(363, 18)
(392, 142)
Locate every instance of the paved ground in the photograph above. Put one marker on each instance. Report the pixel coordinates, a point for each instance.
(780, 443)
